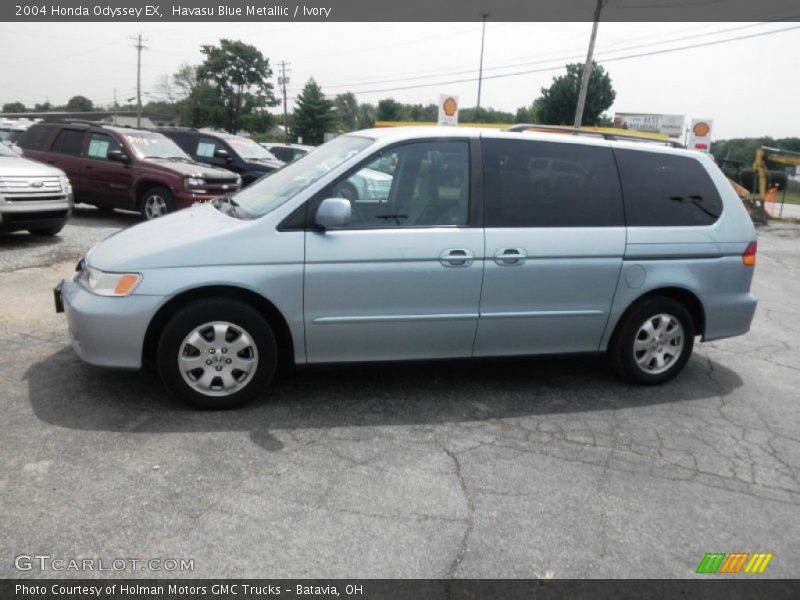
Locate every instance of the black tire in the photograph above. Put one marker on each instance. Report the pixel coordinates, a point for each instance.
(160, 197)
(46, 231)
(621, 348)
(347, 191)
(171, 346)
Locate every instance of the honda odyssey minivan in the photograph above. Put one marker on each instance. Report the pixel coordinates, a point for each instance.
(631, 249)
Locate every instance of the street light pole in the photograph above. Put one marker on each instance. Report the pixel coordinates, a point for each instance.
(587, 68)
(480, 70)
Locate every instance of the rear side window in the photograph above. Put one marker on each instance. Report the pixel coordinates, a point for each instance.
(69, 141)
(548, 184)
(35, 137)
(666, 190)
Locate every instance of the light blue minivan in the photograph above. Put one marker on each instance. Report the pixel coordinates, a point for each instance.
(479, 244)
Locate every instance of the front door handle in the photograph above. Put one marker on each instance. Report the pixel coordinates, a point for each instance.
(506, 257)
(457, 257)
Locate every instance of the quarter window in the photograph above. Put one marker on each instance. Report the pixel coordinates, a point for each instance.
(548, 184)
(666, 190)
(423, 184)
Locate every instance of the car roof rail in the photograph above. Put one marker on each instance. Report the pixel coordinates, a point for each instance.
(607, 133)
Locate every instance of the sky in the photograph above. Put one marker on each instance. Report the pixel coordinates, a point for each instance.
(749, 87)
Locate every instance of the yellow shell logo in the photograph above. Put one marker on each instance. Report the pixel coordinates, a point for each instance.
(450, 106)
(701, 129)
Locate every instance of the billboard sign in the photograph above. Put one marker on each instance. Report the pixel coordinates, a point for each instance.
(448, 110)
(672, 125)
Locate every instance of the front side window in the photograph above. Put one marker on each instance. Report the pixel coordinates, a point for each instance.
(663, 189)
(100, 144)
(550, 184)
(424, 184)
(206, 147)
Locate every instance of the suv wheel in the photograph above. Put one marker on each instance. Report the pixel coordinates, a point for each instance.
(46, 231)
(156, 202)
(653, 342)
(217, 354)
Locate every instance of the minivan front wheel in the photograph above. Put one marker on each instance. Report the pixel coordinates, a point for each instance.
(217, 354)
(653, 342)
(156, 202)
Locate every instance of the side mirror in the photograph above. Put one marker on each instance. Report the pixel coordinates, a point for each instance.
(333, 213)
(222, 153)
(117, 155)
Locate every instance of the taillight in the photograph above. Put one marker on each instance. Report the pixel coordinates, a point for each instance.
(749, 256)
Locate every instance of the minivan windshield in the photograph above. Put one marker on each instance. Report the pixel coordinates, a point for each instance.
(6, 151)
(268, 193)
(248, 149)
(147, 144)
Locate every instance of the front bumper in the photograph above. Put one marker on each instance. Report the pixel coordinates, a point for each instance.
(106, 331)
(184, 199)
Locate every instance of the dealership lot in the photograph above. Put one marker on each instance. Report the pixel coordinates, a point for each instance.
(517, 468)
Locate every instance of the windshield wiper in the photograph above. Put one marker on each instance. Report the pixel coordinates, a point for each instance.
(232, 207)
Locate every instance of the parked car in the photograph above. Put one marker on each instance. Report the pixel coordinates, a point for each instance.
(239, 154)
(650, 248)
(12, 129)
(287, 152)
(116, 167)
(33, 196)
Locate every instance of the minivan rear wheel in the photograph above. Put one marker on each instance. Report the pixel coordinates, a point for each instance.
(217, 354)
(156, 202)
(653, 341)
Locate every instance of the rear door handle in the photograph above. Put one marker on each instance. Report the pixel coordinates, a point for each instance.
(506, 257)
(457, 257)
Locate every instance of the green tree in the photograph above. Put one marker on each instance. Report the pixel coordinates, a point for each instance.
(366, 116)
(558, 102)
(389, 110)
(14, 107)
(314, 114)
(43, 107)
(80, 104)
(484, 115)
(240, 74)
(198, 104)
(346, 107)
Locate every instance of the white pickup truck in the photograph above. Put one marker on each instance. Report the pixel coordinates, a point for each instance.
(33, 196)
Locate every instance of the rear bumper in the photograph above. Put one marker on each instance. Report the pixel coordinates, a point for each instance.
(106, 331)
(728, 315)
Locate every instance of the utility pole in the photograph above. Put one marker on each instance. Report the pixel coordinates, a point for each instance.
(282, 81)
(587, 68)
(139, 47)
(480, 70)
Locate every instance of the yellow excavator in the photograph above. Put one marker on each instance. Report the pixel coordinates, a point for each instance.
(761, 197)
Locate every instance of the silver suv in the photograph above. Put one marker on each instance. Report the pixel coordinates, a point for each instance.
(33, 196)
(640, 250)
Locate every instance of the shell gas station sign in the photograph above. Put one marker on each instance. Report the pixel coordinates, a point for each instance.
(448, 111)
(700, 135)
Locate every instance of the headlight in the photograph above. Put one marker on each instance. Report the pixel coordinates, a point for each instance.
(194, 182)
(66, 185)
(239, 181)
(108, 284)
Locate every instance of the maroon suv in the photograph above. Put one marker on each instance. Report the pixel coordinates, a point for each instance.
(116, 167)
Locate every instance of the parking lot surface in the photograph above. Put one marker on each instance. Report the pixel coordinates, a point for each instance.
(513, 468)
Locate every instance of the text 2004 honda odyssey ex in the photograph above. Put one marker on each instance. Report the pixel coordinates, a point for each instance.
(474, 244)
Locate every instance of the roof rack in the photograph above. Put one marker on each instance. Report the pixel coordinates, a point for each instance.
(607, 133)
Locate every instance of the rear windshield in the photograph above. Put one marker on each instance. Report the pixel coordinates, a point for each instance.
(662, 189)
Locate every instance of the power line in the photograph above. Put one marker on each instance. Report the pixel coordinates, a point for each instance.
(556, 68)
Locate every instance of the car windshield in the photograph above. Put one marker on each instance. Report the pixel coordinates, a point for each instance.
(248, 149)
(154, 145)
(270, 192)
(6, 151)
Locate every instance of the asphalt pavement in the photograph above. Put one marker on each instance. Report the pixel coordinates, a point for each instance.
(503, 468)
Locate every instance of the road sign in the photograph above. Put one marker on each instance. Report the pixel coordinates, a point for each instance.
(700, 135)
(448, 110)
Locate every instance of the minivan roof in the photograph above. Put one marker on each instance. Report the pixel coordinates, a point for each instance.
(405, 133)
